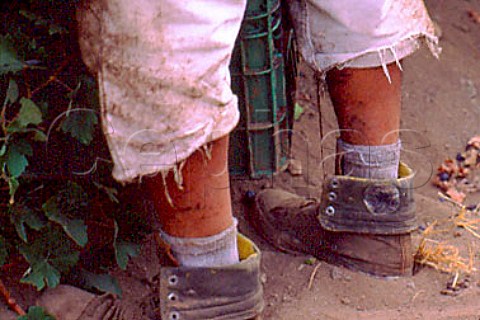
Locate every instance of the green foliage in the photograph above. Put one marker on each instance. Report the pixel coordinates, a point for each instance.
(9, 60)
(12, 92)
(101, 282)
(17, 157)
(21, 216)
(36, 313)
(49, 254)
(62, 210)
(48, 231)
(124, 250)
(80, 124)
(29, 114)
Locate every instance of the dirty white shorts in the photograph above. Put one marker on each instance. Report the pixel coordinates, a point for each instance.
(162, 65)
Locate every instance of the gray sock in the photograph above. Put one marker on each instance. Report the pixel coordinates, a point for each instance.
(372, 162)
(217, 250)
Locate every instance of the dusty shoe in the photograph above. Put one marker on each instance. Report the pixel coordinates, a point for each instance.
(362, 224)
(71, 303)
(216, 293)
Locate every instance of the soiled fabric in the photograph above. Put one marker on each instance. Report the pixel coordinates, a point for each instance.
(162, 65)
(361, 34)
(162, 68)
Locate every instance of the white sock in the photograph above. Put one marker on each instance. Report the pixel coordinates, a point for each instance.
(217, 250)
(372, 162)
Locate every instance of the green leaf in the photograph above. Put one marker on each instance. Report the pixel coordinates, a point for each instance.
(40, 274)
(21, 215)
(39, 136)
(3, 150)
(3, 251)
(65, 261)
(124, 250)
(9, 60)
(12, 91)
(36, 313)
(52, 212)
(81, 125)
(16, 162)
(22, 146)
(75, 228)
(29, 113)
(102, 282)
(298, 111)
(50, 254)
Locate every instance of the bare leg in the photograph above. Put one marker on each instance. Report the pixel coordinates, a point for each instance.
(367, 104)
(203, 207)
(197, 223)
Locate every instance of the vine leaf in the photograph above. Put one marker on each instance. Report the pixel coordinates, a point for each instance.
(42, 273)
(40, 136)
(29, 113)
(36, 313)
(9, 60)
(81, 125)
(102, 282)
(124, 250)
(16, 158)
(75, 228)
(50, 254)
(16, 162)
(20, 215)
(12, 92)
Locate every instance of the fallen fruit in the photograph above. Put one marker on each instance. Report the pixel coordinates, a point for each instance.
(443, 176)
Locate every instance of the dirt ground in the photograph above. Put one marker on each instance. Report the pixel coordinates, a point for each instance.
(441, 111)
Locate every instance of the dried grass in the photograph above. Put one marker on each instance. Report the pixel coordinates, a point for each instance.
(444, 257)
(463, 220)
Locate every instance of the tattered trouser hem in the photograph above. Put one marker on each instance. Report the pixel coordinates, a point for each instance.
(386, 55)
(163, 75)
(361, 34)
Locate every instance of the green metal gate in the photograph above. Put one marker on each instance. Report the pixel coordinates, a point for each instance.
(260, 144)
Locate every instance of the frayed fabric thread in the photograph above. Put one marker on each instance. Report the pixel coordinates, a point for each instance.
(177, 169)
(432, 44)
